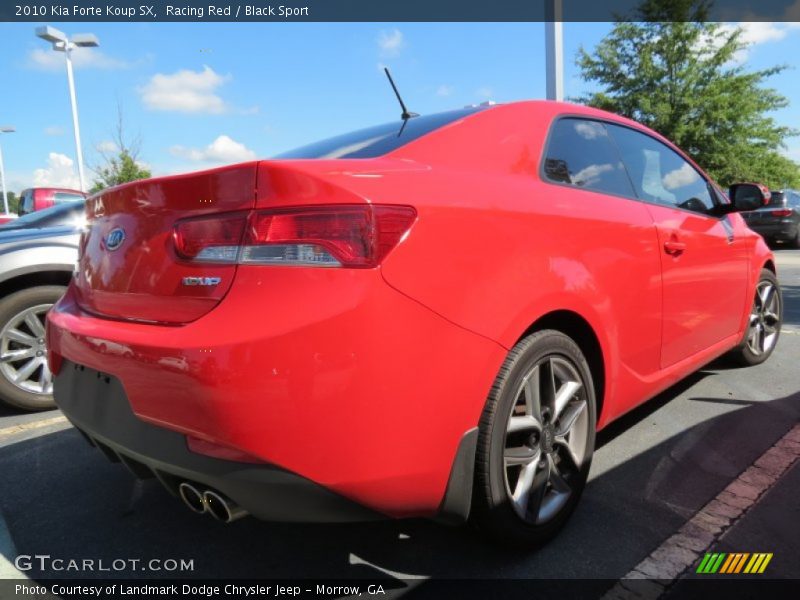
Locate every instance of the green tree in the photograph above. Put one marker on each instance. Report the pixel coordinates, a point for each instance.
(683, 77)
(13, 202)
(121, 164)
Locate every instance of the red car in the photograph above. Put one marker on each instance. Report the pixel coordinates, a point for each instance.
(33, 199)
(426, 318)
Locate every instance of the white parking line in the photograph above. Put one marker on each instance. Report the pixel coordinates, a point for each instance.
(654, 575)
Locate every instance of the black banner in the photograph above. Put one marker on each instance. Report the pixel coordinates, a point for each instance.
(385, 10)
(730, 588)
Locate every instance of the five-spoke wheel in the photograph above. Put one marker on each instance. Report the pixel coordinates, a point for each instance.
(545, 439)
(764, 325)
(535, 441)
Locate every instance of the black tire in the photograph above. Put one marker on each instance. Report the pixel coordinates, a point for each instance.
(795, 242)
(498, 511)
(744, 354)
(11, 307)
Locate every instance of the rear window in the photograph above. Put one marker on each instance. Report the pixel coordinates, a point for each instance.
(776, 199)
(65, 197)
(378, 140)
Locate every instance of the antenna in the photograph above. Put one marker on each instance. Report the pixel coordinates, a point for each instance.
(406, 115)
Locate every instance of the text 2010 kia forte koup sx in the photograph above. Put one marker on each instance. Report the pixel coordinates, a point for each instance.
(426, 318)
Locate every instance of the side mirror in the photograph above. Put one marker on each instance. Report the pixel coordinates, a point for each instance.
(748, 196)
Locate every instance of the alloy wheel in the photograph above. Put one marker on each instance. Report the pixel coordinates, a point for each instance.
(23, 355)
(546, 438)
(764, 319)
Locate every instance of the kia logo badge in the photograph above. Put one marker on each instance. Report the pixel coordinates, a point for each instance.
(114, 239)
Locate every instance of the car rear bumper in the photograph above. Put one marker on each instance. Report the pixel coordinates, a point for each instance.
(96, 404)
(776, 230)
(328, 375)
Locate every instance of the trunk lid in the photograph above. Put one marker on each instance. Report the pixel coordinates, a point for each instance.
(128, 268)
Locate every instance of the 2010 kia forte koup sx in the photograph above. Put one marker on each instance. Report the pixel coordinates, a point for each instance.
(425, 318)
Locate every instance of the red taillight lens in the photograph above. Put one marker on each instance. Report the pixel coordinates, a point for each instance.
(325, 236)
(210, 239)
(783, 212)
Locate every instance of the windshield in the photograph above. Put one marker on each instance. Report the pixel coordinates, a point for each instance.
(62, 214)
(378, 140)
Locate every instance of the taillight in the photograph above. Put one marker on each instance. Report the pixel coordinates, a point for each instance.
(783, 212)
(324, 236)
(210, 239)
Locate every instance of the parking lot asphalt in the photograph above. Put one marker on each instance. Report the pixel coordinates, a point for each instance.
(652, 471)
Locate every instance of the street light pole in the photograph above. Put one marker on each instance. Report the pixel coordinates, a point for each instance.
(554, 49)
(61, 43)
(2, 169)
(75, 127)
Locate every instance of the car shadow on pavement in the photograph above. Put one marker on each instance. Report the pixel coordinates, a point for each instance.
(62, 498)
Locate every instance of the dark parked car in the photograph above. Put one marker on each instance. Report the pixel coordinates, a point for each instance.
(779, 221)
(61, 215)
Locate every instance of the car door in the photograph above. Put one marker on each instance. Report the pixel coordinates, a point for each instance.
(703, 255)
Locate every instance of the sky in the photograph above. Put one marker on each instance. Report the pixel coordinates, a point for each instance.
(199, 95)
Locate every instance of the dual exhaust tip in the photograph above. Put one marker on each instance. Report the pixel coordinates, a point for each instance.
(218, 506)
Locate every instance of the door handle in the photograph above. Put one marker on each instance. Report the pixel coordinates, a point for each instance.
(674, 247)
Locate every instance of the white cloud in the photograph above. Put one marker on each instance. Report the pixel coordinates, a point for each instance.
(590, 175)
(391, 42)
(221, 150)
(54, 130)
(681, 177)
(753, 33)
(484, 92)
(58, 173)
(82, 58)
(589, 130)
(106, 146)
(445, 90)
(185, 91)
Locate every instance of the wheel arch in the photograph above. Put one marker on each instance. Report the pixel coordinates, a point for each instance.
(25, 280)
(575, 326)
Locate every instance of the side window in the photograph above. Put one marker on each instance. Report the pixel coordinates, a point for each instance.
(660, 174)
(27, 203)
(794, 200)
(581, 153)
(63, 197)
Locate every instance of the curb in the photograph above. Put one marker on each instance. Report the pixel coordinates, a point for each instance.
(673, 559)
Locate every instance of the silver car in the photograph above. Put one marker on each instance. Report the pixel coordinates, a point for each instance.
(35, 268)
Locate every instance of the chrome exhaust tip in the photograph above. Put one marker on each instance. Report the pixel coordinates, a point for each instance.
(222, 508)
(192, 497)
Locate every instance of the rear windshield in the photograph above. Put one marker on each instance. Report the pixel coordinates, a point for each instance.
(776, 199)
(378, 140)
